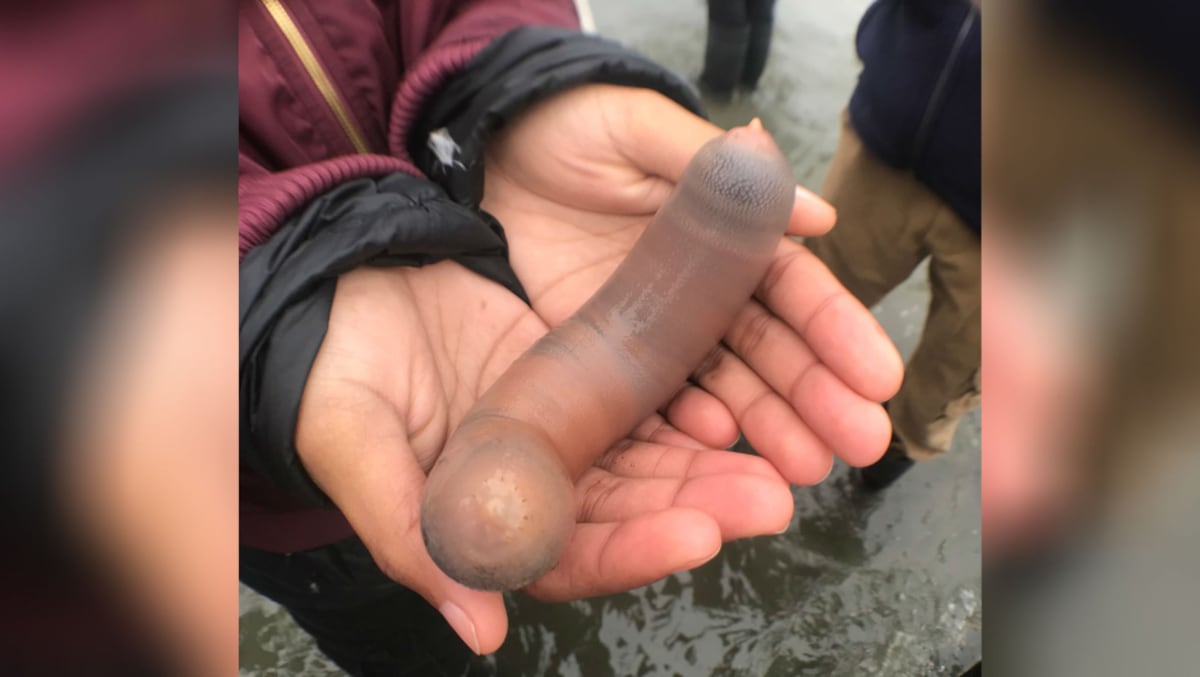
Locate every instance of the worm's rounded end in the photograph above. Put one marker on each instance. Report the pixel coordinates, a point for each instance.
(497, 515)
(740, 186)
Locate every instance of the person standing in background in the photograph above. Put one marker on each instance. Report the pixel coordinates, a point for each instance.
(905, 180)
(739, 37)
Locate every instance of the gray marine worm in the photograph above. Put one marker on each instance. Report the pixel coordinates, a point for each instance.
(499, 506)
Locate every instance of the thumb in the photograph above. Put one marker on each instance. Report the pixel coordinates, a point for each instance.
(656, 134)
(357, 452)
(642, 139)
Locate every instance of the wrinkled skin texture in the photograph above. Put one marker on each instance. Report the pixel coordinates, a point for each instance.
(374, 417)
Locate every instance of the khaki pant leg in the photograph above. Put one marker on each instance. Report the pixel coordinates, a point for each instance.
(888, 222)
(941, 380)
(883, 215)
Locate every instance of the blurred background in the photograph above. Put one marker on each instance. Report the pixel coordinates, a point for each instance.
(117, 347)
(1089, 475)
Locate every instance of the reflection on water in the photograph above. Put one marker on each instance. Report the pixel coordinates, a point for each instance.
(271, 644)
(840, 594)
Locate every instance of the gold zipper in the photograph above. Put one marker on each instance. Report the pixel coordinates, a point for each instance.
(315, 71)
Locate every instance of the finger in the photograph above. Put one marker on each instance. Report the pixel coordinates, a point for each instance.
(811, 216)
(702, 416)
(613, 557)
(774, 350)
(358, 454)
(856, 429)
(843, 334)
(639, 134)
(668, 435)
(656, 429)
(769, 423)
(741, 505)
(778, 355)
(640, 138)
(659, 460)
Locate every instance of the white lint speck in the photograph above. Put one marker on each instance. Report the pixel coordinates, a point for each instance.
(444, 147)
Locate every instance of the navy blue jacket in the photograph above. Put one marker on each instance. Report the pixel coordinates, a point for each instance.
(1157, 37)
(916, 106)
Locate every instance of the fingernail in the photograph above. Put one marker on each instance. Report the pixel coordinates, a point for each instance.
(756, 124)
(702, 561)
(827, 473)
(805, 195)
(784, 530)
(458, 619)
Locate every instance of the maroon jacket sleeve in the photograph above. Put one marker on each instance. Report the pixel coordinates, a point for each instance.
(382, 60)
(476, 23)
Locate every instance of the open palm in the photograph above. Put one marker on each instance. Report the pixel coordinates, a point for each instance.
(406, 354)
(575, 181)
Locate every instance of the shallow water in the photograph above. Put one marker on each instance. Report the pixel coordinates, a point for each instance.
(860, 585)
(883, 585)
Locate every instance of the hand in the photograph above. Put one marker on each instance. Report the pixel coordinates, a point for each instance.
(576, 180)
(406, 354)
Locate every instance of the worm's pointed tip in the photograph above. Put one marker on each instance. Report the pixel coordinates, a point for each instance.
(751, 130)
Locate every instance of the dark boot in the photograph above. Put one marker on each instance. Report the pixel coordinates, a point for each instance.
(724, 57)
(882, 473)
(756, 53)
